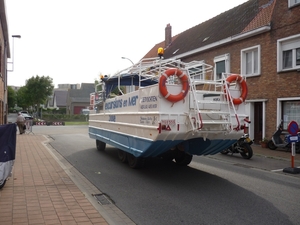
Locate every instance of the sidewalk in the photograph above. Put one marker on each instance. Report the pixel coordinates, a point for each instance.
(278, 153)
(46, 189)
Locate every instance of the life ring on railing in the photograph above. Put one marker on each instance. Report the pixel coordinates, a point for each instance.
(244, 91)
(163, 88)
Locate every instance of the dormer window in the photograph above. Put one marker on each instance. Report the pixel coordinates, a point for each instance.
(205, 39)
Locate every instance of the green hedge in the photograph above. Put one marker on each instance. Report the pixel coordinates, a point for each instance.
(64, 117)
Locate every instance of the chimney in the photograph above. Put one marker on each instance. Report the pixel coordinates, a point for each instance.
(168, 35)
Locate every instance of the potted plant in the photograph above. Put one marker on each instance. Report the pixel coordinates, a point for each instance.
(264, 142)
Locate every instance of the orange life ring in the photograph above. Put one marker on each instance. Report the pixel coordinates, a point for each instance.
(163, 88)
(244, 91)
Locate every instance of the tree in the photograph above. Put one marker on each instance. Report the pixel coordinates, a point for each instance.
(22, 98)
(11, 97)
(38, 89)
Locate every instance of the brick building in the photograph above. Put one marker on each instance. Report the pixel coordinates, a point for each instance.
(4, 54)
(259, 39)
(78, 99)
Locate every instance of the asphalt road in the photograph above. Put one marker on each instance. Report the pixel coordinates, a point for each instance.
(212, 190)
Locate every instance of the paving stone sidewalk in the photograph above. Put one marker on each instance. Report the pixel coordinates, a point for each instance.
(41, 192)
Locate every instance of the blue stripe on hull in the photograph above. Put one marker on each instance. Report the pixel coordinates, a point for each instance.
(146, 148)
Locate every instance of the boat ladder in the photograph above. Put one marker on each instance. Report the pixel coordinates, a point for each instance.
(210, 110)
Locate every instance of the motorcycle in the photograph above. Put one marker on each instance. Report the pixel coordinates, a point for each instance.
(242, 146)
(278, 142)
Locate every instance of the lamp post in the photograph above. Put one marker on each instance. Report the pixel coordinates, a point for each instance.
(12, 62)
(128, 59)
(129, 88)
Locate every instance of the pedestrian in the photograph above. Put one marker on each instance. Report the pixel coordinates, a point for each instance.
(20, 122)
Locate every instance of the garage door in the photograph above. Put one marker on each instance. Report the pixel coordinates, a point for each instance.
(77, 109)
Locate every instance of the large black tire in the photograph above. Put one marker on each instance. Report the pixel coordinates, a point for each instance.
(167, 156)
(100, 145)
(134, 162)
(248, 152)
(182, 158)
(122, 156)
(271, 145)
(2, 185)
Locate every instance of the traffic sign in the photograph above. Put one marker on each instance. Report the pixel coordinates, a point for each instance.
(292, 138)
(293, 127)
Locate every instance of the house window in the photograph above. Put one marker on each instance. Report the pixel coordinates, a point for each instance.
(288, 53)
(293, 3)
(222, 65)
(290, 111)
(197, 73)
(73, 86)
(250, 61)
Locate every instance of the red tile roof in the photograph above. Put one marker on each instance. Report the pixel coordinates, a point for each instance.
(263, 17)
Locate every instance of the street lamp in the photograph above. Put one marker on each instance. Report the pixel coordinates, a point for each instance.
(128, 59)
(131, 87)
(12, 62)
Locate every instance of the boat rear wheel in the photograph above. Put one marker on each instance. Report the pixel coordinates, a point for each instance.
(182, 158)
(100, 145)
(134, 162)
(168, 156)
(122, 156)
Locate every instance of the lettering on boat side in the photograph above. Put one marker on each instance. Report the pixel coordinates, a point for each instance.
(151, 106)
(149, 99)
(168, 122)
(131, 101)
(112, 118)
(147, 102)
(146, 120)
(119, 103)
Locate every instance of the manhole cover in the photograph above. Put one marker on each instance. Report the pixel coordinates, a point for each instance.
(102, 199)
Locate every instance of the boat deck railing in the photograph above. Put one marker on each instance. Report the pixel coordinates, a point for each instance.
(202, 81)
(153, 68)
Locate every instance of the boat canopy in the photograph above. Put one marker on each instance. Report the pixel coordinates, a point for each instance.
(127, 79)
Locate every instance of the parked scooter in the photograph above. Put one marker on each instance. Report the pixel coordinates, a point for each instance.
(243, 145)
(278, 142)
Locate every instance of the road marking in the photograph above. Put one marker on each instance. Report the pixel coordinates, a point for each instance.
(278, 170)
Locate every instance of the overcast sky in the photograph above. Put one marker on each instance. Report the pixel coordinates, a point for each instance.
(73, 41)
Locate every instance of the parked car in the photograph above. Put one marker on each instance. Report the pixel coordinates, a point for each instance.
(27, 116)
(26, 112)
(85, 112)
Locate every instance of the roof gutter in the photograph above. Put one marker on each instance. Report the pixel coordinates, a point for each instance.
(251, 33)
(228, 40)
